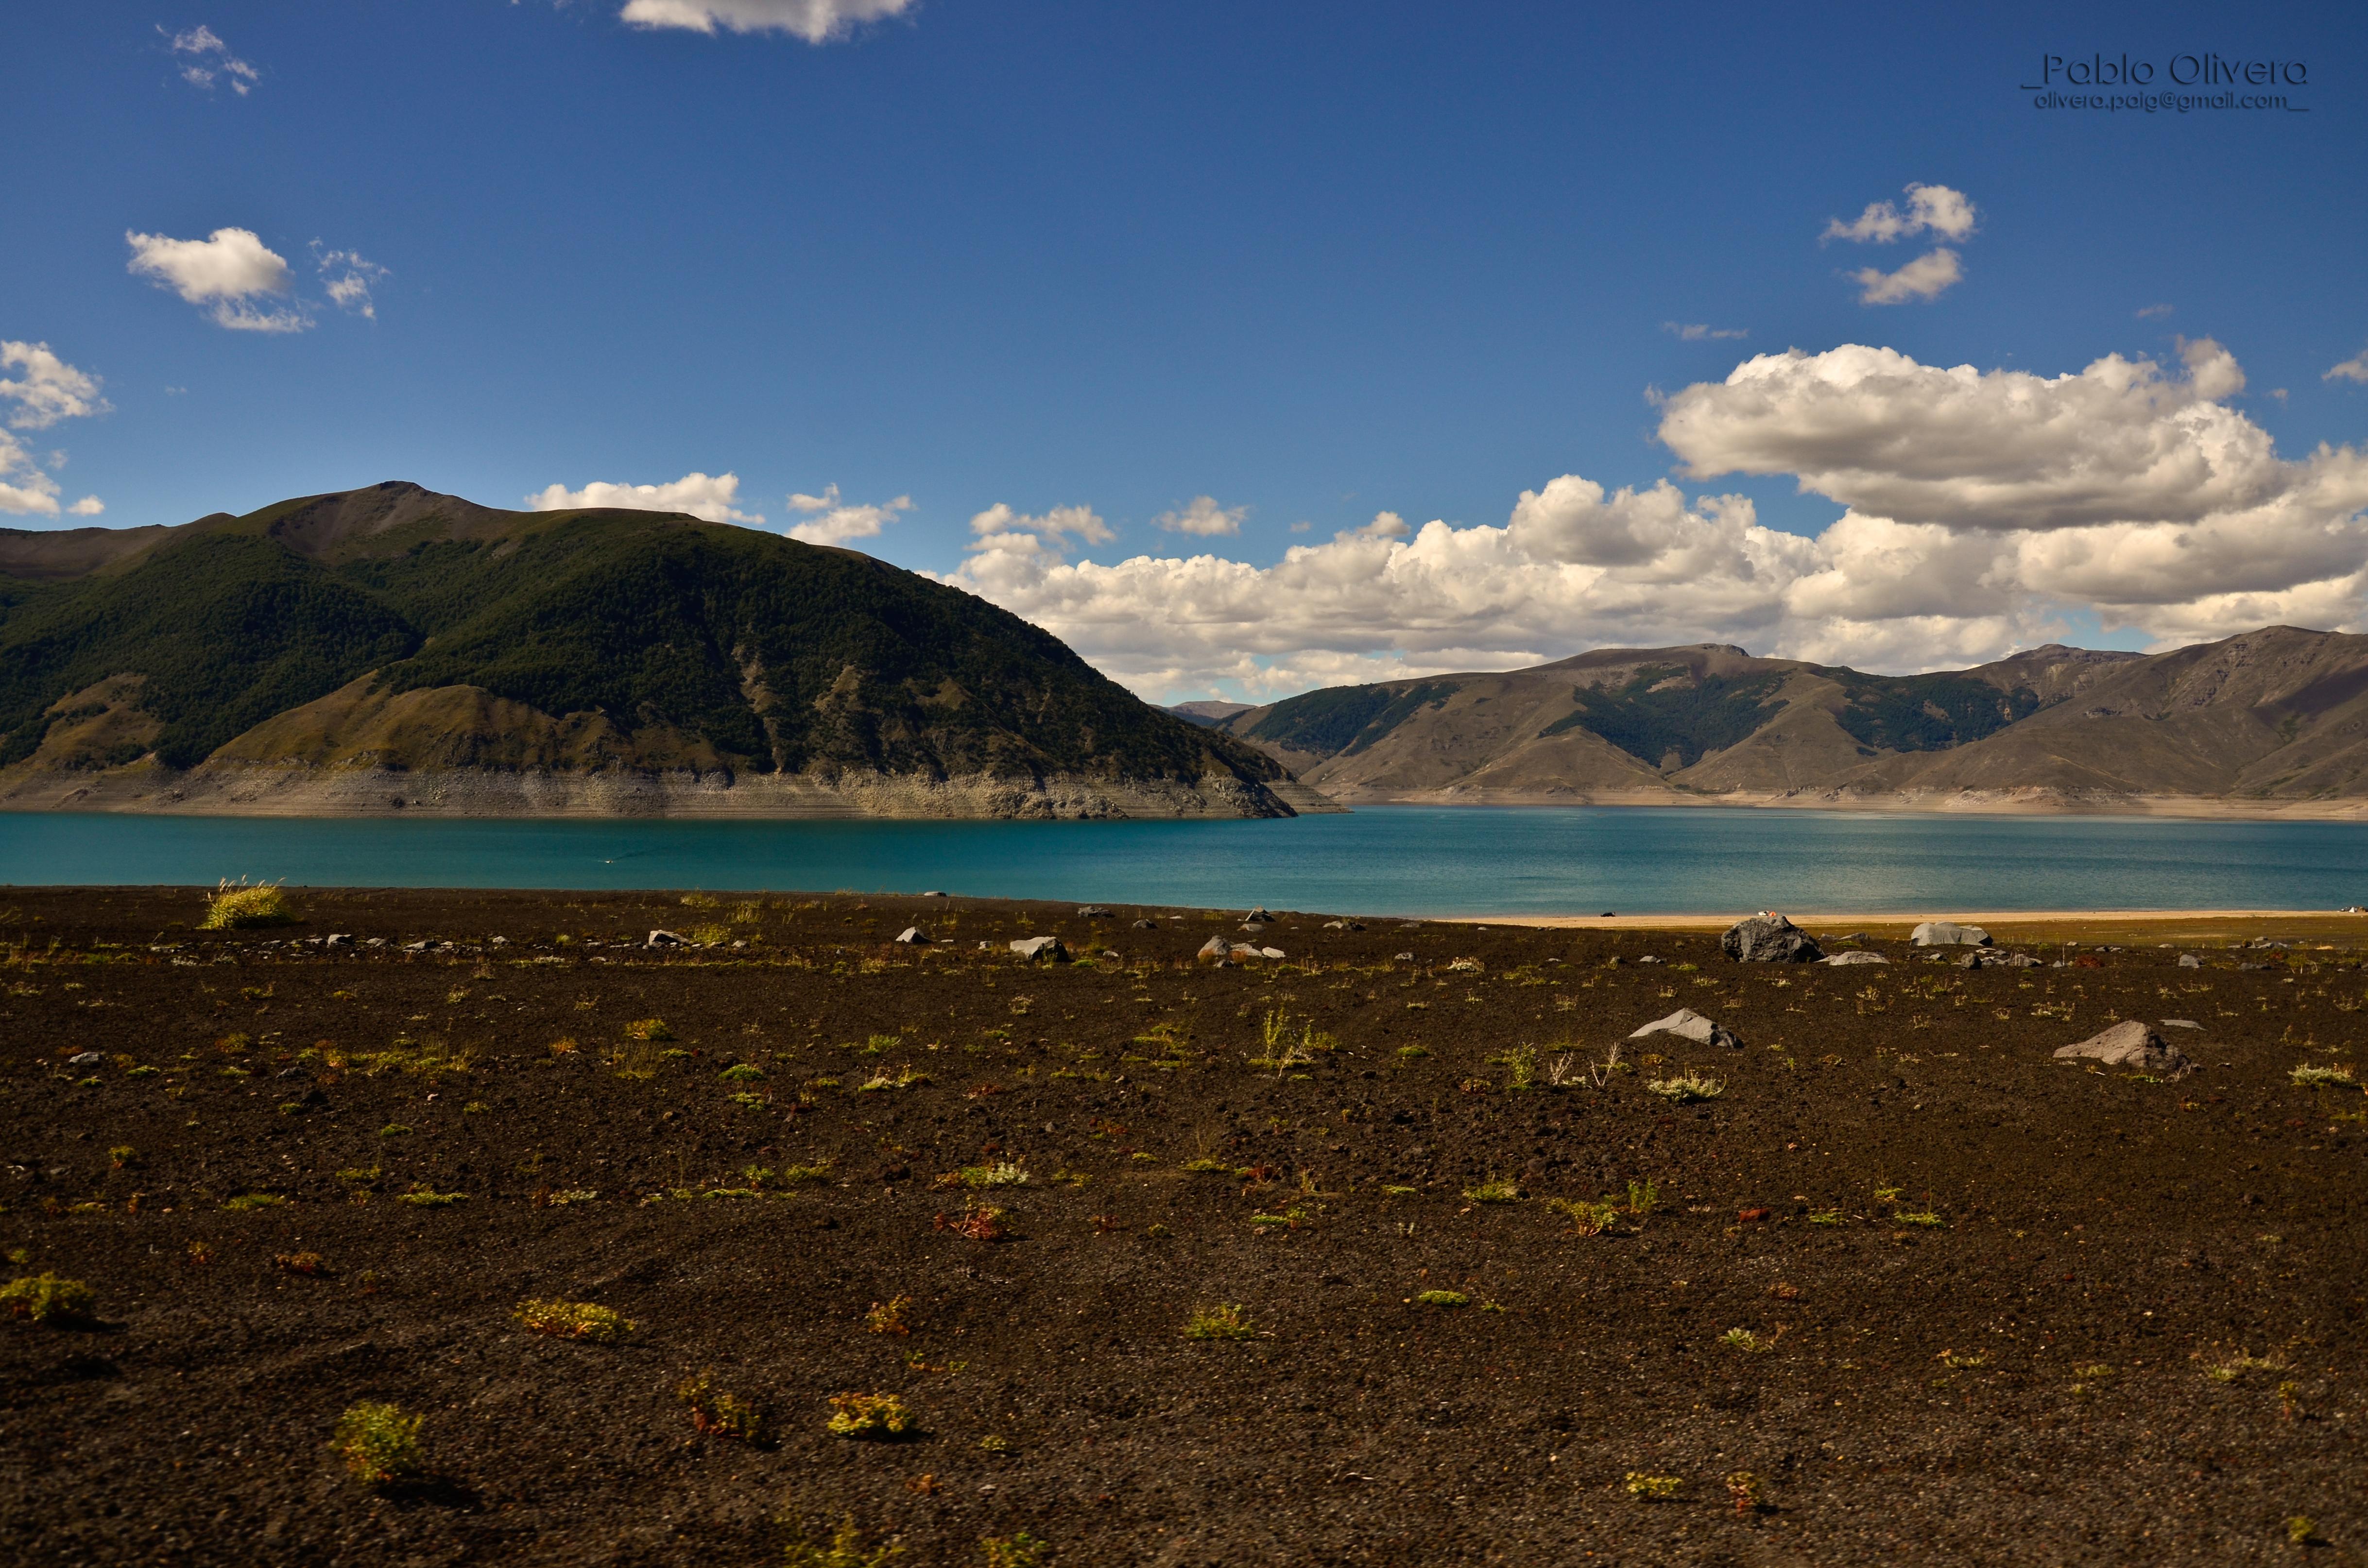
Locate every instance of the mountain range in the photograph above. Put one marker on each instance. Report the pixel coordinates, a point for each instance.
(392, 649)
(2273, 721)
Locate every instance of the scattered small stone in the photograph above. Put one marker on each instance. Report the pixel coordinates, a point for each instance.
(1768, 938)
(2181, 1024)
(1402, 958)
(1687, 1024)
(1344, 925)
(933, 893)
(83, 1059)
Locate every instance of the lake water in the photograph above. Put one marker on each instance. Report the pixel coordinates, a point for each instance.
(1387, 860)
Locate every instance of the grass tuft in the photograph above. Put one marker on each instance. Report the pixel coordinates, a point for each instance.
(236, 905)
(1219, 1321)
(380, 1443)
(572, 1319)
(45, 1298)
(878, 1417)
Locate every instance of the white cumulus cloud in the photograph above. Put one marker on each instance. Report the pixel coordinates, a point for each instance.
(45, 389)
(27, 492)
(1926, 278)
(1202, 516)
(829, 520)
(2353, 369)
(1000, 527)
(1982, 509)
(1933, 208)
(816, 21)
(712, 499)
(230, 271)
(208, 61)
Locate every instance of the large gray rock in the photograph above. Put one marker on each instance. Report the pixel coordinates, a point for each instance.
(1769, 939)
(1855, 956)
(913, 936)
(2130, 1043)
(1949, 934)
(1687, 1024)
(1040, 948)
(1216, 950)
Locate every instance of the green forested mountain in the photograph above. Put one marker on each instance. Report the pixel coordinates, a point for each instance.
(336, 631)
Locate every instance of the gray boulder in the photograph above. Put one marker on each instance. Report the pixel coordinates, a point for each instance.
(913, 936)
(2189, 960)
(1216, 950)
(1687, 1024)
(1146, 925)
(1984, 958)
(2130, 1043)
(664, 940)
(1032, 948)
(1769, 939)
(1949, 934)
(1093, 912)
(1855, 956)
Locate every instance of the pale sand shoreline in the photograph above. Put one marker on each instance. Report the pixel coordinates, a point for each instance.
(1815, 921)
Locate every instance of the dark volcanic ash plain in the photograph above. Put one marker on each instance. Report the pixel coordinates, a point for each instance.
(1908, 1288)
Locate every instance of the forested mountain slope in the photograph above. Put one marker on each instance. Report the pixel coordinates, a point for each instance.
(357, 650)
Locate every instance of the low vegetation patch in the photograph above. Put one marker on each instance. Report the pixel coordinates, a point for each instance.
(718, 1412)
(236, 905)
(46, 1299)
(874, 1416)
(572, 1319)
(1220, 1321)
(378, 1443)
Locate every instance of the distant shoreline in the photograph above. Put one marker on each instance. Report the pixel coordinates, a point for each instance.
(1953, 803)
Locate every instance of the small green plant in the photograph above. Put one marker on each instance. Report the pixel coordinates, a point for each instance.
(235, 905)
(2230, 1371)
(876, 1416)
(1924, 1217)
(247, 1201)
(742, 1072)
(1208, 1167)
(1444, 1299)
(844, 1551)
(46, 1299)
(991, 1444)
(393, 1130)
(380, 1443)
(1520, 1066)
(423, 1195)
(2322, 1077)
(121, 1155)
(1412, 1052)
(1643, 1197)
(1020, 1551)
(1496, 1190)
(1643, 1483)
(2299, 1530)
(880, 1044)
(1002, 1173)
(903, 1078)
(1744, 1339)
(648, 1030)
(1586, 1218)
(572, 1319)
(1747, 1488)
(1825, 1216)
(793, 1175)
(1220, 1321)
(1400, 1192)
(888, 1317)
(718, 1412)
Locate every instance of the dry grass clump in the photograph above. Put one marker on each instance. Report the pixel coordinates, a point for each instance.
(45, 1298)
(648, 1028)
(844, 1551)
(888, 1317)
(380, 1443)
(572, 1319)
(237, 905)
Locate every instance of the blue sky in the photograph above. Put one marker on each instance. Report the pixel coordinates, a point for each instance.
(1313, 262)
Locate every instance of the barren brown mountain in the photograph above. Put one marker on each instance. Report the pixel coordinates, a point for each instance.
(2268, 723)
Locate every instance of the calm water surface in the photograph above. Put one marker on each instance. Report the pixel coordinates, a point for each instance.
(1387, 861)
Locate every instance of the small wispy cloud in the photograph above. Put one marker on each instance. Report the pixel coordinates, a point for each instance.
(2150, 313)
(816, 21)
(349, 277)
(1933, 207)
(1923, 278)
(206, 61)
(1696, 332)
(2353, 369)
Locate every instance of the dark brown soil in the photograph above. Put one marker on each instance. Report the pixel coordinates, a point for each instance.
(2029, 1377)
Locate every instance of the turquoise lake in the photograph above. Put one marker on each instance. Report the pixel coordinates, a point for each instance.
(1387, 861)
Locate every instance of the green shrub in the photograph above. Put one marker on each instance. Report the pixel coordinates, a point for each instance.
(45, 1298)
(380, 1443)
(878, 1417)
(844, 1551)
(234, 905)
(1020, 1551)
(719, 1413)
